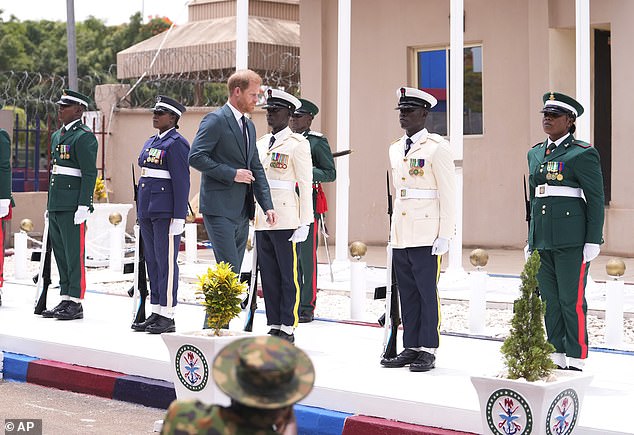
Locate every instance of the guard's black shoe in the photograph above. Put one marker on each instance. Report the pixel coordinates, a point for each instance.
(140, 327)
(288, 337)
(404, 358)
(306, 317)
(574, 369)
(424, 363)
(561, 368)
(51, 313)
(274, 332)
(72, 311)
(161, 325)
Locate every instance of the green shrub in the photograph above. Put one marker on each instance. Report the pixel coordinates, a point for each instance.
(221, 289)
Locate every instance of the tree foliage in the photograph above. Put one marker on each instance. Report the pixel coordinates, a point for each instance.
(42, 45)
(526, 351)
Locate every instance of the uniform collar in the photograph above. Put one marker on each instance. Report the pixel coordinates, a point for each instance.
(558, 141)
(416, 137)
(68, 126)
(162, 135)
(282, 134)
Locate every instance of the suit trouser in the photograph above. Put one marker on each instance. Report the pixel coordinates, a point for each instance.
(161, 254)
(279, 270)
(562, 283)
(228, 238)
(68, 242)
(417, 272)
(308, 269)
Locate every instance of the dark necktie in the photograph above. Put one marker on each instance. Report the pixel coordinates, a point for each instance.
(244, 134)
(271, 142)
(408, 145)
(551, 148)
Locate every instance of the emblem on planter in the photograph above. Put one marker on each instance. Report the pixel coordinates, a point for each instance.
(508, 413)
(191, 367)
(562, 414)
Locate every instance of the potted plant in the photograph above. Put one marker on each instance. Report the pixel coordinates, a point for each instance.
(531, 397)
(192, 353)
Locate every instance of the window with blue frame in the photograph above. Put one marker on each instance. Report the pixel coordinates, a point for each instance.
(433, 77)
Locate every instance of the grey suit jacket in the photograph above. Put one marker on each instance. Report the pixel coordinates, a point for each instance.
(218, 152)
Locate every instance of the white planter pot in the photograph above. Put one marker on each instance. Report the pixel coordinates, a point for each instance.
(520, 408)
(191, 357)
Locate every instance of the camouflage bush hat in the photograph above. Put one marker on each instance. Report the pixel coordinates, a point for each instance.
(264, 372)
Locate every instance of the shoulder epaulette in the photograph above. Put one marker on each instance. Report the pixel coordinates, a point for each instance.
(581, 143)
(435, 137)
(85, 128)
(315, 133)
(297, 136)
(537, 144)
(262, 137)
(395, 140)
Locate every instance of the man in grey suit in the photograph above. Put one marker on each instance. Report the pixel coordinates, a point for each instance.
(224, 152)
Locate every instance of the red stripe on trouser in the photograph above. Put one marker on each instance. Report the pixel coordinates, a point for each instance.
(581, 318)
(314, 260)
(82, 268)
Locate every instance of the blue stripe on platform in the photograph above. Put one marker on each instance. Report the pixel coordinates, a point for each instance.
(319, 421)
(15, 366)
(144, 391)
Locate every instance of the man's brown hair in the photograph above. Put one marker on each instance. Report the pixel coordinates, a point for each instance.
(241, 79)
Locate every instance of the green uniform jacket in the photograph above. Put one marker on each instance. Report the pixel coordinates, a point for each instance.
(323, 163)
(76, 148)
(558, 221)
(5, 166)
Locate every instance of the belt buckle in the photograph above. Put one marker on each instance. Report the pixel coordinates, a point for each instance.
(403, 193)
(54, 170)
(143, 172)
(542, 189)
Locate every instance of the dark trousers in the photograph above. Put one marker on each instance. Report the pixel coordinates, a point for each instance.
(161, 253)
(228, 238)
(308, 270)
(279, 270)
(68, 242)
(562, 284)
(417, 272)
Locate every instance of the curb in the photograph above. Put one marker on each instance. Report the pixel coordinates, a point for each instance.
(159, 394)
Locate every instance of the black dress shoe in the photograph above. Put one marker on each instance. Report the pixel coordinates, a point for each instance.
(288, 337)
(72, 311)
(561, 368)
(161, 325)
(408, 356)
(51, 313)
(140, 327)
(274, 332)
(574, 369)
(424, 363)
(306, 317)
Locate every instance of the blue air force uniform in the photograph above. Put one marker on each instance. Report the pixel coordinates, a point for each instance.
(161, 210)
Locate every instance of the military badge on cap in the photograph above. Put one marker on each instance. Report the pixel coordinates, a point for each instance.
(276, 98)
(164, 103)
(70, 97)
(555, 102)
(412, 98)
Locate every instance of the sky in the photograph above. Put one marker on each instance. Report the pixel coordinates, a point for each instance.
(112, 12)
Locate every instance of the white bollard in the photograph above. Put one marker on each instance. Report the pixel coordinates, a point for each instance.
(614, 289)
(20, 255)
(357, 289)
(191, 242)
(477, 301)
(115, 257)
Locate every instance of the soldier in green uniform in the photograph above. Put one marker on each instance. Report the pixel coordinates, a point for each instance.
(73, 175)
(323, 172)
(263, 376)
(6, 200)
(567, 211)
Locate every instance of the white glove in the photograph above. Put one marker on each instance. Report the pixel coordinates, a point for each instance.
(81, 214)
(300, 234)
(527, 252)
(177, 226)
(4, 207)
(440, 246)
(590, 252)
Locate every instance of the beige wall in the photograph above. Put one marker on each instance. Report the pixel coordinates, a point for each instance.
(528, 49)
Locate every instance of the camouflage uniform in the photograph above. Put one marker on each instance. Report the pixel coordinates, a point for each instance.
(262, 376)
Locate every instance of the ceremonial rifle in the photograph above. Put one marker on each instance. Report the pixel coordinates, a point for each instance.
(527, 205)
(392, 318)
(43, 278)
(250, 304)
(139, 291)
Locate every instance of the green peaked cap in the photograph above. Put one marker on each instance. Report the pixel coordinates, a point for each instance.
(555, 102)
(307, 107)
(70, 97)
